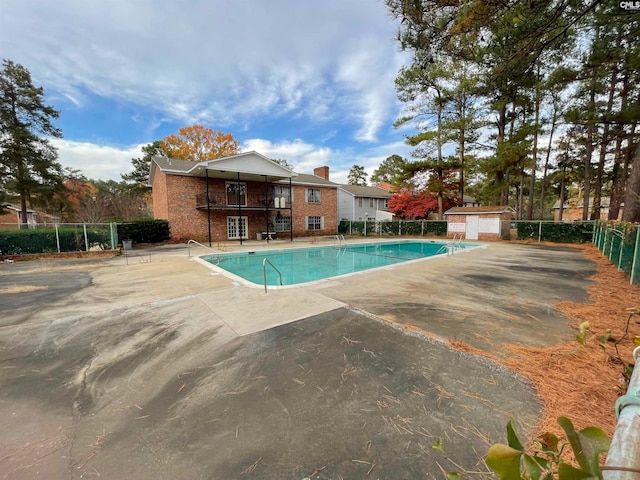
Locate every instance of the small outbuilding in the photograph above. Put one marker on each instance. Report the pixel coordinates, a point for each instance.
(479, 223)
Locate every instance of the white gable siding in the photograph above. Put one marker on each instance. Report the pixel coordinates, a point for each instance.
(345, 205)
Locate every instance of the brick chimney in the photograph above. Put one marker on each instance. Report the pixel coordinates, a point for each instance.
(322, 172)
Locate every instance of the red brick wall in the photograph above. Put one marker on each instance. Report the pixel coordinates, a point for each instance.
(573, 214)
(174, 199)
(159, 194)
(327, 208)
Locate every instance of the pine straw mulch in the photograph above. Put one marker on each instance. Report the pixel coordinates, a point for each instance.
(582, 382)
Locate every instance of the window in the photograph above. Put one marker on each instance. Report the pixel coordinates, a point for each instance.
(386, 203)
(360, 202)
(236, 227)
(313, 195)
(280, 191)
(282, 223)
(236, 193)
(371, 203)
(315, 223)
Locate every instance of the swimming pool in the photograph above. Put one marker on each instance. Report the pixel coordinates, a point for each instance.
(302, 265)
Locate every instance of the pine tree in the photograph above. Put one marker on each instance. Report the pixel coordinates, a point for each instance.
(28, 162)
(141, 165)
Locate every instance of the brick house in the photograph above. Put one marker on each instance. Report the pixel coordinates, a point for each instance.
(10, 217)
(245, 196)
(479, 223)
(572, 209)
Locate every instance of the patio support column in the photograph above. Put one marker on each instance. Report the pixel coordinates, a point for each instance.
(291, 209)
(206, 176)
(246, 227)
(266, 207)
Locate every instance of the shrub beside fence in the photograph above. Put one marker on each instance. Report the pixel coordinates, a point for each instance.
(557, 232)
(144, 231)
(393, 228)
(620, 242)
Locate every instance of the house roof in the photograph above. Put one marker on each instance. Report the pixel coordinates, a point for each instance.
(16, 208)
(251, 165)
(306, 179)
(363, 191)
(480, 210)
(167, 164)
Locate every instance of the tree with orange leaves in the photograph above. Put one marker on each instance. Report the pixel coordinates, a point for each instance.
(198, 143)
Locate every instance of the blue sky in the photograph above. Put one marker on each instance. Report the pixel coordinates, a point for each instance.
(310, 81)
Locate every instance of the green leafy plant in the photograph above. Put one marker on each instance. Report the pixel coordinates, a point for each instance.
(512, 462)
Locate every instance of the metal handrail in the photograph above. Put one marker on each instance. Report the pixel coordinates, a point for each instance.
(264, 272)
(623, 457)
(203, 246)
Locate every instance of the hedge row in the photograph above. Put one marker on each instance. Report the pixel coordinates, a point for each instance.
(144, 231)
(576, 232)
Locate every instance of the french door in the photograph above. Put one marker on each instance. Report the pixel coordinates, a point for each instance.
(236, 228)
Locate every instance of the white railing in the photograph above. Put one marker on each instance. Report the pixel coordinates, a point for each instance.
(203, 246)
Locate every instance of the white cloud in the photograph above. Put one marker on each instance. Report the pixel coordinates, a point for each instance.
(97, 162)
(224, 62)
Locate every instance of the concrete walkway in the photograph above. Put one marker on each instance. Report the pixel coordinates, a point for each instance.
(153, 366)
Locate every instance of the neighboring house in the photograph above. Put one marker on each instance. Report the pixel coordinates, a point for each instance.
(469, 201)
(359, 203)
(12, 217)
(479, 223)
(572, 210)
(240, 197)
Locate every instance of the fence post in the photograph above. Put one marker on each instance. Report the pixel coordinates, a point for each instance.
(86, 239)
(114, 235)
(400, 228)
(57, 238)
(624, 453)
(422, 229)
(634, 264)
(539, 231)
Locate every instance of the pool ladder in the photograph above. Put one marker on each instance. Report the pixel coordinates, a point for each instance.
(452, 246)
(340, 240)
(264, 272)
(203, 246)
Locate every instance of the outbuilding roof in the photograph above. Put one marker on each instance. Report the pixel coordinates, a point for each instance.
(479, 210)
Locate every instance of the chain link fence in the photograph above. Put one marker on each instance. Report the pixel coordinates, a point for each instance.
(58, 238)
(393, 228)
(620, 243)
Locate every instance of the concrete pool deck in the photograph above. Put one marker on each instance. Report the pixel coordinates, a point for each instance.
(153, 366)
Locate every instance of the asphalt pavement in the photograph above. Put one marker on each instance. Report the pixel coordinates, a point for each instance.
(155, 366)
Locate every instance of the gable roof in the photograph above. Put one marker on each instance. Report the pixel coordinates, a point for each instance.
(247, 164)
(480, 210)
(251, 165)
(365, 191)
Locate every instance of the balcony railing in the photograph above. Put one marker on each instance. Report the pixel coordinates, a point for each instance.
(252, 201)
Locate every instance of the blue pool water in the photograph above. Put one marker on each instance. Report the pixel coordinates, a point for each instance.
(303, 265)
